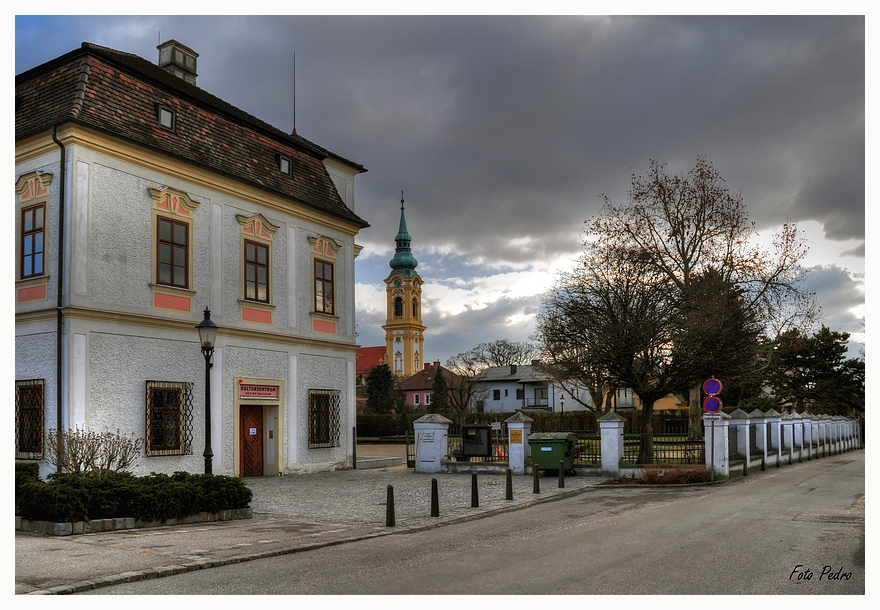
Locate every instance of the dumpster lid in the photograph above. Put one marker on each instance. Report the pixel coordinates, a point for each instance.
(551, 436)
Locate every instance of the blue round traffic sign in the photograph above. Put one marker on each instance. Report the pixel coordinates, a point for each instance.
(712, 387)
(712, 404)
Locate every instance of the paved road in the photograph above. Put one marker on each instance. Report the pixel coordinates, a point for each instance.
(745, 537)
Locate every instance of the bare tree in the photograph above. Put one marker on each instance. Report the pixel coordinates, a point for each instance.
(685, 225)
(620, 316)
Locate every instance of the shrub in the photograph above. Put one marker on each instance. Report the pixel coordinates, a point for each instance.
(47, 502)
(673, 475)
(87, 451)
(75, 497)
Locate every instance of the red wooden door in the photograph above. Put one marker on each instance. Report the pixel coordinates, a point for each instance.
(251, 441)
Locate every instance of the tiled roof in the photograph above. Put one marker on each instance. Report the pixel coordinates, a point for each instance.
(424, 379)
(369, 358)
(524, 373)
(117, 93)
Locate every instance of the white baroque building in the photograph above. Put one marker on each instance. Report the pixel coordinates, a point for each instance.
(142, 201)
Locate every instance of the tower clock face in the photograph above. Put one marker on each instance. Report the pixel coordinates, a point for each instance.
(397, 282)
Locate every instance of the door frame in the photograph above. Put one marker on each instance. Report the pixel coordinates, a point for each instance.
(268, 404)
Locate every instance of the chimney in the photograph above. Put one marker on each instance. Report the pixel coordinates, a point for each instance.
(436, 365)
(179, 60)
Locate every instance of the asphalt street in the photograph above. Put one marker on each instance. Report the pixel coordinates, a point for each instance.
(761, 534)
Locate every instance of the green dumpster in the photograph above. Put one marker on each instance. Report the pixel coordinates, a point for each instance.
(550, 448)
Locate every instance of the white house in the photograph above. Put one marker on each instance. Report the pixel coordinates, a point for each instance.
(142, 201)
(523, 386)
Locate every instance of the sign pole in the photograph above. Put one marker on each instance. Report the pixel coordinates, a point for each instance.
(712, 462)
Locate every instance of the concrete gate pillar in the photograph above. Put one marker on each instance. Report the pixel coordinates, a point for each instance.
(519, 427)
(431, 431)
(717, 443)
(611, 439)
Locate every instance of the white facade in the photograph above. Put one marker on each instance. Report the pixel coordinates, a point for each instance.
(122, 329)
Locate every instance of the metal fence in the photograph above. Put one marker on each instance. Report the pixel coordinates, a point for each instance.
(588, 451)
(667, 449)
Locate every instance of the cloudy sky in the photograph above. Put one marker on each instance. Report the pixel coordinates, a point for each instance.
(504, 131)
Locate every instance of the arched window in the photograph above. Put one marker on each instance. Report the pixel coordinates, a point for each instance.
(415, 308)
(398, 307)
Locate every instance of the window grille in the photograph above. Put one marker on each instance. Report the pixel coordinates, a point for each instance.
(324, 407)
(169, 418)
(29, 419)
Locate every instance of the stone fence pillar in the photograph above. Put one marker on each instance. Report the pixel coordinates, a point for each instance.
(797, 424)
(519, 427)
(773, 423)
(611, 434)
(717, 444)
(432, 432)
(742, 420)
(808, 434)
(761, 438)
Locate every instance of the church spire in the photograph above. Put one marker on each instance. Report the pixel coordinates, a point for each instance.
(403, 263)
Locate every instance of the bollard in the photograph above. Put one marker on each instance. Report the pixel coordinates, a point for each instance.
(763, 462)
(475, 497)
(536, 486)
(389, 507)
(745, 468)
(561, 483)
(509, 494)
(435, 499)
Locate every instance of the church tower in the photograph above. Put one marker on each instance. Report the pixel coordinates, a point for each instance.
(404, 332)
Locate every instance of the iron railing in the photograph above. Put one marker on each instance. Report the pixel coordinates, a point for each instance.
(667, 449)
(588, 451)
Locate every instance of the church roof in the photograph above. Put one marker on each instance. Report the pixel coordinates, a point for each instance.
(403, 263)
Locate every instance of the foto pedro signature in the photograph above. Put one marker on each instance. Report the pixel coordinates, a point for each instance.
(801, 573)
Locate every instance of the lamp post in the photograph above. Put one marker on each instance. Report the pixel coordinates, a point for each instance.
(207, 336)
(562, 404)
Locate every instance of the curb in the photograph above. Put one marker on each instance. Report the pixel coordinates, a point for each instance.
(192, 566)
(52, 528)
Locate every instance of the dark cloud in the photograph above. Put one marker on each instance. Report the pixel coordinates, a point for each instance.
(504, 131)
(838, 292)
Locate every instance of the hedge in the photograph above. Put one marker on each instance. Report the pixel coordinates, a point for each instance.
(77, 497)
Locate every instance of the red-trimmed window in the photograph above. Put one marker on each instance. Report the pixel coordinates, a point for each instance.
(256, 271)
(172, 253)
(324, 301)
(32, 231)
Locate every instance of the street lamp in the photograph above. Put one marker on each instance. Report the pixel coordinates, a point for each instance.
(562, 403)
(207, 337)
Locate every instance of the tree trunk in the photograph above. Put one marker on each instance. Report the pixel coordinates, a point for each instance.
(695, 415)
(646, 444)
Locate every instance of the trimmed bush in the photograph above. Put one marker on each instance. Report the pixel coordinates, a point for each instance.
(78, 497)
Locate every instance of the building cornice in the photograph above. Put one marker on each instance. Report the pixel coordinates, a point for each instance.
(155, 322)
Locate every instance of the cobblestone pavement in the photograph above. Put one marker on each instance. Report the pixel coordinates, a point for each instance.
(360, 496)
(291, 514)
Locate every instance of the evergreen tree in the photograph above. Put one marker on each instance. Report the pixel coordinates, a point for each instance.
(382, 395)
(440, 400)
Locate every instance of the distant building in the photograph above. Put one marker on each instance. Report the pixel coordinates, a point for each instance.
(418, 389)
(521, 386)
(142, 200)
(368, 358)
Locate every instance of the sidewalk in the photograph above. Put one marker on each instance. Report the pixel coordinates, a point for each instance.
(291, 514)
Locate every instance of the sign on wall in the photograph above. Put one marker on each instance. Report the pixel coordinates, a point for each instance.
(258, 391)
